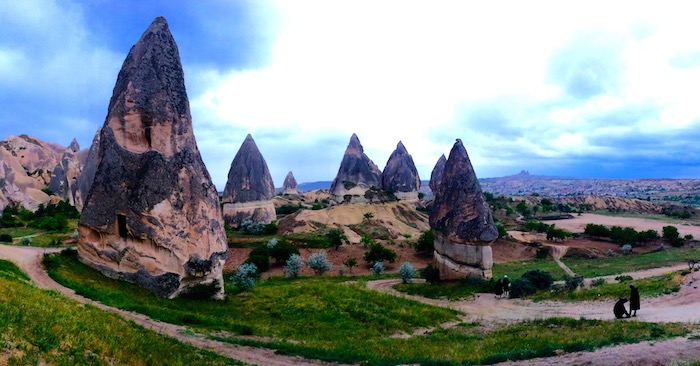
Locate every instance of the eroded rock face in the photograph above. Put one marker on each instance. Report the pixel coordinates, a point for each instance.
(88, 160)
(152, 214)
(462, 221)
(357, 174)
(64, 181)
(26, 165)
(290, 184)
(249, 189)
(436, 175)
(400, 175)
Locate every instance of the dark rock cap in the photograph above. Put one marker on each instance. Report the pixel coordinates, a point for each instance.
(249, 178)
(436, 175)
(460, 212)
(400, 173)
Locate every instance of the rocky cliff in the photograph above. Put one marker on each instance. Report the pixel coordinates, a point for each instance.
(462, 221)
(152, 214)
(400, 175)
(357, 174)
(436, 175)
(249, 188)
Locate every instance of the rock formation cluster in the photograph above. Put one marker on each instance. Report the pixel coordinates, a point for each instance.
(249, 189)
(462, 221)
(357, 174)
(152, 215)
(290, 184)
(400, 175)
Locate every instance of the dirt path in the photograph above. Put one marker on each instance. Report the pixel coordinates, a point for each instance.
(29, 260)
(557, 252)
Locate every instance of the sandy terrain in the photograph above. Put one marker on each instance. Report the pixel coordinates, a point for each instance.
(578, 223)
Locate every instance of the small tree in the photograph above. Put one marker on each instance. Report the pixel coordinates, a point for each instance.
(407, 272)
(626, 249)
(425, 245)
(319, 263)
(368, 216)
(282, 250)
(350, 262)
(260, 256)
(430, 274)
(244, 278)
(366, 241)
(378, 253)
(377, 268)
(293, 265)
(670, 233)
(26, 241)
(502, 232)
(336, 238)
(5, 238)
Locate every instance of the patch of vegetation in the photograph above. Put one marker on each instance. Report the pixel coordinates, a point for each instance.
(648, 287)
(373, 229)
(447, 290)
(43, 327)
(605, 266)
(425, 245)
(315, 240)
(323, 319)
(378, 253)
(288, 209)
(516, 269)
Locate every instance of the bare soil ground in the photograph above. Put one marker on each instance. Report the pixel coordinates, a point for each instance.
(578, 223)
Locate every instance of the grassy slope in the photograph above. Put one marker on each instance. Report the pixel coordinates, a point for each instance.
(323, 318)
(43, 327)
(636, 262)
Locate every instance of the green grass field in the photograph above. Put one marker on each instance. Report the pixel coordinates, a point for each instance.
(648, 287)
(620, 264)
(43, 327)
(328, 318)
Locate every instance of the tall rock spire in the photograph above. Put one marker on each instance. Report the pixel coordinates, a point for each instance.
(400, 175)
(356, 175)
(249, 189)
(462, 221)
(290, 184)
(436, 175)
(152, 214)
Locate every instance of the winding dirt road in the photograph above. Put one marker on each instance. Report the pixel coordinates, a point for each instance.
(29, 260)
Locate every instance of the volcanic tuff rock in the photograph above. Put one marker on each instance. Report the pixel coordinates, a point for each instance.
(462, 221)
(436, 175)
(26, 164)
(356, 175)
(88, 160)
(64, 181)
(249, 189)
(400, 175)
(290, 184)
(152, 215)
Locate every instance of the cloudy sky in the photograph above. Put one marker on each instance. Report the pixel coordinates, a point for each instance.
(591, 89)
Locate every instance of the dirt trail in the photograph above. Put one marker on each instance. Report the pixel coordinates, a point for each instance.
(29, 260)
(557, 253)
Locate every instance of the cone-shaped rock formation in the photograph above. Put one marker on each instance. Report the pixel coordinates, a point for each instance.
(290, 184)
(152, 215)
(400, 175)
(436, 175)
(249, 189)
(64, 180)
(356, 175)
(462, 221)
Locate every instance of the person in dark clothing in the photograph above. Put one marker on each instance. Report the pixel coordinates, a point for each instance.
(634, 299)
(499, 289)
(506, 286)
(619, 310)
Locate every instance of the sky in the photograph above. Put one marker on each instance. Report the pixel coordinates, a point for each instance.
(577, 89)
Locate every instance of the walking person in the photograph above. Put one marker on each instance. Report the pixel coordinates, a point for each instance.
(506, 286)
(499, 289)
(619, 310)
(634, 299)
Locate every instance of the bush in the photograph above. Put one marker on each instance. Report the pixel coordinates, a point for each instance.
(430, 274)
(601, 231)
(282, 251)
(623, 278)
(521, 287)
(623, 236)
(26, 241)
(626, 249)
(573, 282)
(260, 257)
(336, 238)
(5, 238)
(688, 237)
(202, 291)
(377, 268)
(378, 253)
(502, 232)
(319, 263)
(293, 266)
(425, 245)
(670, 233)
(538, 226)
(611, 253)
(244, 278)
(350, 262)
(542, 252)
(251, 228)
(554, 233)
(598, 282)
(407, 272)
(541, 280)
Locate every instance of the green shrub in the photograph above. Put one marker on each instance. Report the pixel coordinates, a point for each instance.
(244, 278)
(378, 268)
(202, 291)
(26, 241)
(293, 265)
(623, 278)
(521, 287)
(425, 245)
(430, 274)
(282, 251)
(378, 253)
(319, 263)
(626, 249)
(336, 238)
(601, 231)
(260, 256)
(542, 252)
(407, 272)
(502, 232)
(5, 238)
(573, 282)
(598, 282)
(541, 280)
